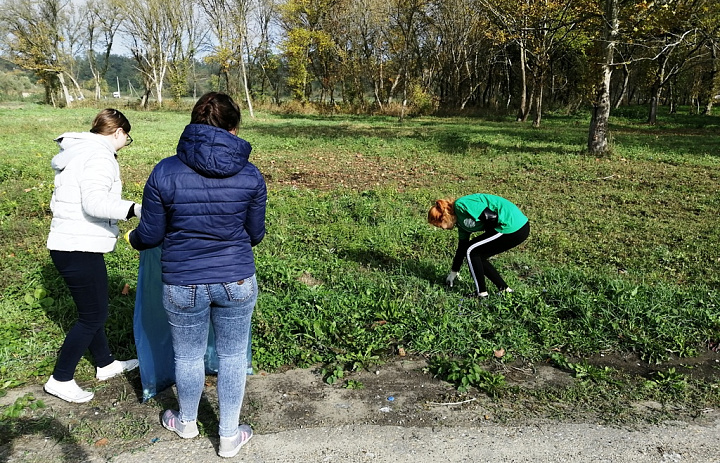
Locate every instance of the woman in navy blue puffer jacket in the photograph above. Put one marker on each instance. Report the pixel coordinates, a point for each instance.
(206, 206)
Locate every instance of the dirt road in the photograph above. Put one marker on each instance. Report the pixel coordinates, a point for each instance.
(399, 414)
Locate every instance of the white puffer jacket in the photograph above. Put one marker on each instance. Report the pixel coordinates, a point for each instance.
(86, 202)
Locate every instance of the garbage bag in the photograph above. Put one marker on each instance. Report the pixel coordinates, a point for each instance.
(153, 341)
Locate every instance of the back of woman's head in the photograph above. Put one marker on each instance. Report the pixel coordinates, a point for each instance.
(108, 121)
(441, 213)
(216, 109)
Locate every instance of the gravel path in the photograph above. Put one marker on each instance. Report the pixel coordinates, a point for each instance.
(675, 442)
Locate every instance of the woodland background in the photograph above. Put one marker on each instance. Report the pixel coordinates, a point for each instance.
(404, 57)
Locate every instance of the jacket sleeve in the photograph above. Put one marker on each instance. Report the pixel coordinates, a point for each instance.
(255, 220)
(462, 248)
(98, 199)
(151, 230)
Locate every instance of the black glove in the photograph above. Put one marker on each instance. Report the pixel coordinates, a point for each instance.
(489, 218)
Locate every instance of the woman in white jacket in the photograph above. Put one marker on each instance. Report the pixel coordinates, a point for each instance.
(86, 205)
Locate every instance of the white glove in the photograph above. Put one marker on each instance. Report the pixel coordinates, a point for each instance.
(138, 210)
(451, 278)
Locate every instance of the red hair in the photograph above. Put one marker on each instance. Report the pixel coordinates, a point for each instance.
(442, 213)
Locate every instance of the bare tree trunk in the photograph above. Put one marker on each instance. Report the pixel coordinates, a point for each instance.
(654, 101)
(671, 98)
(78, 89)
(393, 87)
(599, 123)
(622, 94)
(522, 109)
(404, 102)
(656, 89)
(378, 100)
(526, 114)
(245, 85)
(66, 93)
(711, 79)
(537, 102)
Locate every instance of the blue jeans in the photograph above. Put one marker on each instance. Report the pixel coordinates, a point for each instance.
(190, 309)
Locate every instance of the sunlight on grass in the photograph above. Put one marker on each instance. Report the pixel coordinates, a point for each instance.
(622, 254)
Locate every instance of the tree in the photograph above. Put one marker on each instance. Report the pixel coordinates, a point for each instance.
(464, 54)
(264, 15)
(228, 20)
(102, 20)
(540, 29)
(154, 27)
(307, 47)
(599, 122)
(406, 23)
(34, 41)
(189, 36)
(668, 31)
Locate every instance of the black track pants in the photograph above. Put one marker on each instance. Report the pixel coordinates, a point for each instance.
(86, 276)
(487, 245)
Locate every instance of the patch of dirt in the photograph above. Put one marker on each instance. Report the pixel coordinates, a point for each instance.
(398, 393)
(354, 171)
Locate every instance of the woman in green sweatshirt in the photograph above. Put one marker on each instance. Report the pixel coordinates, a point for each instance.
(503, 227)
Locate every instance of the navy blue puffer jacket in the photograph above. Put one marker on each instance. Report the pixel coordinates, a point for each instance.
(206, 205)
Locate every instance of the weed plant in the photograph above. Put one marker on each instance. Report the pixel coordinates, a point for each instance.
(622, 255)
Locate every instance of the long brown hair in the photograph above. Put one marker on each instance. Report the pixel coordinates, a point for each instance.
(108, 121)
(216, 109)
(442, 213)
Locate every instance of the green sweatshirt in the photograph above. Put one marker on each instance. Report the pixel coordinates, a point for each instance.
(468, 210)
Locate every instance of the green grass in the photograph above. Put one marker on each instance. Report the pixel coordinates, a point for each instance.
(622, 255)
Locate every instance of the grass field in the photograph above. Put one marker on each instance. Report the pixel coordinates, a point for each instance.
(622, 257)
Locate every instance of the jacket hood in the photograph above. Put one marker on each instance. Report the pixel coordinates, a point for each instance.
(73, 144)
(212, 152)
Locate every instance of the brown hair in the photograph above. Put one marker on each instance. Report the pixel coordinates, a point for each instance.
(442, 213)
(108, 121)
(216, 109)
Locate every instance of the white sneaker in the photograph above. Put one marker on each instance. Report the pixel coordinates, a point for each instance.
(68, 391)
(230, 446)
(116, 368)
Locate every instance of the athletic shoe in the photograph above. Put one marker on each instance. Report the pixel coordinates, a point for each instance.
(185, 429)
(230, 446)
(116, 368)
(68, 391)
(482, 296)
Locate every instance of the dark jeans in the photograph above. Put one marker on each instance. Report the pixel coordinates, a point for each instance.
(86, 276)
(487, 245)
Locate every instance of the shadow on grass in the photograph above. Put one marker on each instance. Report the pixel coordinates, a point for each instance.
(692, 135)
(59, 442)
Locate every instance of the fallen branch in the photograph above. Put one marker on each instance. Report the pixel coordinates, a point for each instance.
(452, 403)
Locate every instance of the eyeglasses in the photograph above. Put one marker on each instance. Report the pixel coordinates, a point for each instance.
(129, 139)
